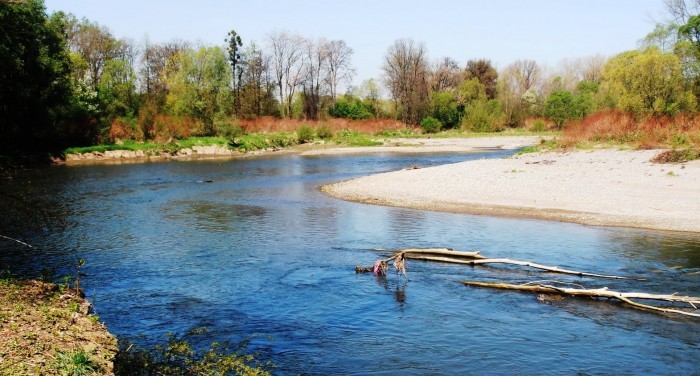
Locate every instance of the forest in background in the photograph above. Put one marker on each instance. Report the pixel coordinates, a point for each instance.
(67, 81)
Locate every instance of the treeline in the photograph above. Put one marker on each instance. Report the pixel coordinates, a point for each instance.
(69, 81)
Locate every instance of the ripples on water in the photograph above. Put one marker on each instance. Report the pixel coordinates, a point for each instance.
(261, 252)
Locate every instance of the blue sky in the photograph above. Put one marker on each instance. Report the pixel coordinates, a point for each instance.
(501, 30)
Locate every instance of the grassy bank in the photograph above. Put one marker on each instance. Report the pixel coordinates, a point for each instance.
(46, 330)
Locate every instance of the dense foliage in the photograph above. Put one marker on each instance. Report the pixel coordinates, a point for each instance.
(69, 81)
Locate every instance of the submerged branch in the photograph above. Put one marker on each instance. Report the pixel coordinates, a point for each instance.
(599, 293)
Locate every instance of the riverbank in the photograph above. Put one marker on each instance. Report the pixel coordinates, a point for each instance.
(47, 330)
(599, 187)
(318, 148)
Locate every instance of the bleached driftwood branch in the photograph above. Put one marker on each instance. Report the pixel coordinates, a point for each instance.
(600, 293)
(476, 258)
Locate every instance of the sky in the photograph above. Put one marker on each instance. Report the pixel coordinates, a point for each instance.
(547, 31)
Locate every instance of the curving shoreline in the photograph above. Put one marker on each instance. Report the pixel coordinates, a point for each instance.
(399, 145)
(600, 187)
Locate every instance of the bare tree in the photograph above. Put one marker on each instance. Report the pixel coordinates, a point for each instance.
(317, 57)
(446, 75)
(592, 68)
(519, 90)
(340, 69)
(681, 10)
(288, 63)
(406, 69)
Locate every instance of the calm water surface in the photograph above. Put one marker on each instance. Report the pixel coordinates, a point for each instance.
(260, 252)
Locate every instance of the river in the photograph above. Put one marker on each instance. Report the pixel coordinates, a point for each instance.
(252, 249)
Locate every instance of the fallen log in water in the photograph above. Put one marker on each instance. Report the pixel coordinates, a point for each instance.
(600, 293)
(411, 252)
(476, 258)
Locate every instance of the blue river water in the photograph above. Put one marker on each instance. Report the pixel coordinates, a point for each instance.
(252, 249)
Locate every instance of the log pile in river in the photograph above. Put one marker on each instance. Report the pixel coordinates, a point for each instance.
(476, 258)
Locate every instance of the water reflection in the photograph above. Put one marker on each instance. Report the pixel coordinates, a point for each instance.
(260, 251)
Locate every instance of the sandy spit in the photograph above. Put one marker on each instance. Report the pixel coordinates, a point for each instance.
(600, 187)
(432, 145)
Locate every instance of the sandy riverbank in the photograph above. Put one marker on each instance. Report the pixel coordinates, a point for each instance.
(431, 145)
(601, 187)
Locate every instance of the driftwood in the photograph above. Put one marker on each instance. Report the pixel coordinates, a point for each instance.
(601, 293)
(476, 258)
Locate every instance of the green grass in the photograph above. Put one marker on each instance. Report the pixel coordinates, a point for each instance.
(261, 141)
(136, 145)
(76, 363)
(352, 138)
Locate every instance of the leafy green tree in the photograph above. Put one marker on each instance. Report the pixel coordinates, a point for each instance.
(691, 30)
(35, 90)
(483, 116)
(445, 108)
(350, 107)
(648, 82)
(200, 88)
(431, 125)
(561, 107)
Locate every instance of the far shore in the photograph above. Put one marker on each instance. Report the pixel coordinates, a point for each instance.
(597, 187)
(398, 145)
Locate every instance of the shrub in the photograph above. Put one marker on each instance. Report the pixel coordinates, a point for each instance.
(483, 116)
(349, 107)
(228, 130)
(431, 125)
(538, 126)
(324, 132)
(178, 356)
(444, 108)
(305, 134)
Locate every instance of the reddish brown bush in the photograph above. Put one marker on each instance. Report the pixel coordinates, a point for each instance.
(621, 127)
(268, 124)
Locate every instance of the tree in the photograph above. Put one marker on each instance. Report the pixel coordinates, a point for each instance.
(444, 107)
(95, 45)
(519, 89)
(288, 64)
(446, 75)
(406, 70)
(339, 60)
(485, 73)
(317, 53)
(560, 107)
(200, 88)
(35, 87)
(257, 86)
(648, 82)
(234, 56)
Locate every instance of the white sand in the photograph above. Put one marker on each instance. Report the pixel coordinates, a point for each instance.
(602, 187)
(433, 145)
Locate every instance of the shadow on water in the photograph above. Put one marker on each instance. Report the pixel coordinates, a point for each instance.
(259, 252)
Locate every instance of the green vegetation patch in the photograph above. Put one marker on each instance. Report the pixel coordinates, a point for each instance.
(352, 138)
(131, 145)
(262, 141)
(677, 156)
(177, 356)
